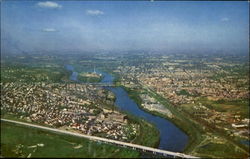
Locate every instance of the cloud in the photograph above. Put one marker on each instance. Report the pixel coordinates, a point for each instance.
(94, 12)
(49, 30)
(49, 4)
(225, 19)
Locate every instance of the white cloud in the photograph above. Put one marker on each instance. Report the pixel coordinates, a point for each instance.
(49, 4)
(49, 30)
(94, 12)
(225, 19)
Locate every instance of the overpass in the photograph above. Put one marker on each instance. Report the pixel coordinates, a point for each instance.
(105, 140)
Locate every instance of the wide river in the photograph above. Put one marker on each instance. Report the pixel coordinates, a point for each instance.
(171, 137)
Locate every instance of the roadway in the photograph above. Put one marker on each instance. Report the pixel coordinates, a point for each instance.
(105, 140)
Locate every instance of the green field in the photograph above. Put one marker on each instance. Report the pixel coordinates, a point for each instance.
(21, 141)
(147, 135)
(222, 150)
(20, 73)
(236, 107)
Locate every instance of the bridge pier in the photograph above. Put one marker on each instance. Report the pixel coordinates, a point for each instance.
(165, 155)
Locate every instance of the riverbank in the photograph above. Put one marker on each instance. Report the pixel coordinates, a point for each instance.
(185, 125)
(148, 134)
(216, 140)
(195, 137)
(201, 140)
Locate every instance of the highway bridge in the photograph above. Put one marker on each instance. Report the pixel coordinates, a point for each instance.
(105, 140)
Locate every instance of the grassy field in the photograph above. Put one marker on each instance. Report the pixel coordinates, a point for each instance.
(236, 107)
(147, 135)
(20, 141)
(222, 150)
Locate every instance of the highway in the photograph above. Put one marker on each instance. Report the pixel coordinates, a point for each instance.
(105, 140)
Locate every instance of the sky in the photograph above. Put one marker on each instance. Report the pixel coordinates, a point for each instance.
(170, 26)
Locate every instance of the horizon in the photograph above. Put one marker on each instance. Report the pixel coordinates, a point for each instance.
(160, 26)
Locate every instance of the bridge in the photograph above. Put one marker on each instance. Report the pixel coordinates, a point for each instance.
(100, 84)
(105, 140)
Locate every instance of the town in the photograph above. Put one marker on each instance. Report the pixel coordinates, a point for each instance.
(84, 108)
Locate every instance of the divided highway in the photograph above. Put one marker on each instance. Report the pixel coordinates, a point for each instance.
(105, 140)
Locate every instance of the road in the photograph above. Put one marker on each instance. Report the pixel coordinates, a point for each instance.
(105, 140)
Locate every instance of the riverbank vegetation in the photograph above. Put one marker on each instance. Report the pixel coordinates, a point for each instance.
(148, 134)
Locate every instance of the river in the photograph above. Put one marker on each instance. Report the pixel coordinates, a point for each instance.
(171, 137)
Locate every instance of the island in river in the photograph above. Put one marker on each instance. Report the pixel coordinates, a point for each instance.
(171, 137)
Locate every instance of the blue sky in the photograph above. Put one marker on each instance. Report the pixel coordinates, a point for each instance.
(134, 25)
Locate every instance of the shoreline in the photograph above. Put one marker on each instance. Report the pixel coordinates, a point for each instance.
(142, 123)
(192, 140)
(195, 132)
